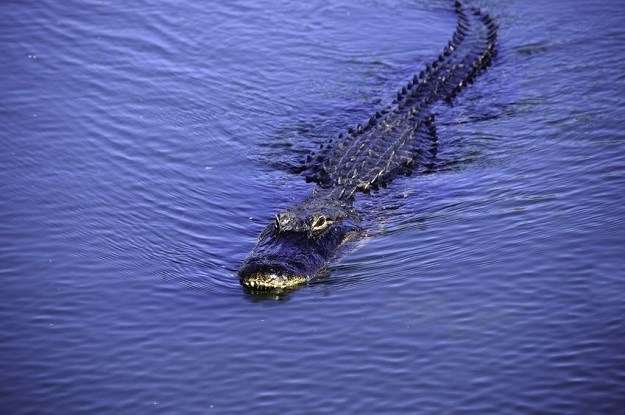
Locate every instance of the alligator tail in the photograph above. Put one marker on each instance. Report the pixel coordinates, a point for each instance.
(394, 139)
(469, 52)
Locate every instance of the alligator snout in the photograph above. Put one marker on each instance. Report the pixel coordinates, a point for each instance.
(270, 275)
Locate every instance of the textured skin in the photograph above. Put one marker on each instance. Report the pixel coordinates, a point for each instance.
(395, 141)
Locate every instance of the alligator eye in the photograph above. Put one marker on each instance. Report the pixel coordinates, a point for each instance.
(319, 223)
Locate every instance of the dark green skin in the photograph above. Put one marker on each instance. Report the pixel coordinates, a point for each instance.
(300, 242)
(399, 139)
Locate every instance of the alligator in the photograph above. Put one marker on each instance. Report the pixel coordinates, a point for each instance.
(302, 240)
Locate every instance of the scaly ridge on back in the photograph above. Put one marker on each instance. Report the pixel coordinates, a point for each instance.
(394, 140)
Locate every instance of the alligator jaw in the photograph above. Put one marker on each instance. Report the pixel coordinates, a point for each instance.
(273, 281)
(270, 274)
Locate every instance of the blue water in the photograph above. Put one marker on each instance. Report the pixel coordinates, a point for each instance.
(145, 145)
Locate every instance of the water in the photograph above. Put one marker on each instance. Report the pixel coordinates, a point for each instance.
(145, 145)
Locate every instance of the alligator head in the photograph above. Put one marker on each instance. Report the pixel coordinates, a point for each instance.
(299, 243)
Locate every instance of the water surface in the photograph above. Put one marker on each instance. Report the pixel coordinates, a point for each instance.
(145, 145)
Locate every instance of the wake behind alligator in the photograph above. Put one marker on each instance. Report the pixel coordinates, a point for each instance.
(397, 140)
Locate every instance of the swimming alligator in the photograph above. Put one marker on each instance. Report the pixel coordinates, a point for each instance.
(303, 239)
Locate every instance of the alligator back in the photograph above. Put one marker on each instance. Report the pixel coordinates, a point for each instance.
(398, 138)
